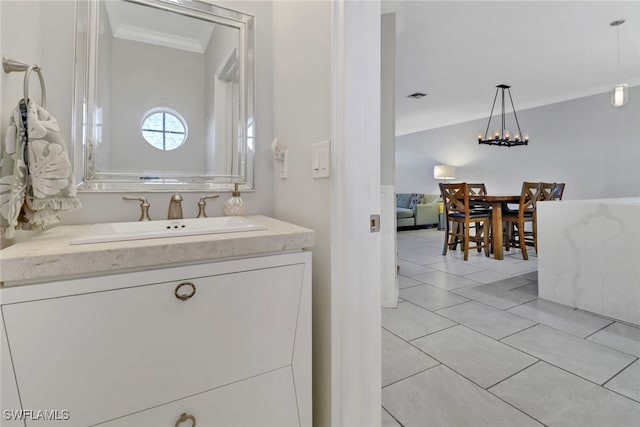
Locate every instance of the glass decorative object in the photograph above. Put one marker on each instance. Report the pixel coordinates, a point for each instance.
(235, 205)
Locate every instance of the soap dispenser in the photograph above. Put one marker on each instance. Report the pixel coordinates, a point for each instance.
(235, 206)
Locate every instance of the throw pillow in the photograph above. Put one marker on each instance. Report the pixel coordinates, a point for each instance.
(403, 200)
(416, 199)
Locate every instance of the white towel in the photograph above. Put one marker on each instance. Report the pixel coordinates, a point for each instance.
(33, 190)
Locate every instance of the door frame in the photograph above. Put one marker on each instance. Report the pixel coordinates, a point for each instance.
(355, 194)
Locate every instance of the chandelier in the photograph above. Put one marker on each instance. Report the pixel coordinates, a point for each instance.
(502, 137)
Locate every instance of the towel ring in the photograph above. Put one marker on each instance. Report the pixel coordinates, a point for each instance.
(27, 74)
(10, 65)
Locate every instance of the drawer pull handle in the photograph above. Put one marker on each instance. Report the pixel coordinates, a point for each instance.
(184, 297)
(184, 418)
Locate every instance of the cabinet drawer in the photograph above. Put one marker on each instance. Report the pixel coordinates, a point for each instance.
(265, 400)
(107, 354)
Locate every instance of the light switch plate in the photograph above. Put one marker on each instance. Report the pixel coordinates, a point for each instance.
(321, 159)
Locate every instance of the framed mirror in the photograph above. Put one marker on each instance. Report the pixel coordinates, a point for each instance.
(164, 96)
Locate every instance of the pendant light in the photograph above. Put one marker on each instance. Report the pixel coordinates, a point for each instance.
(620, 93)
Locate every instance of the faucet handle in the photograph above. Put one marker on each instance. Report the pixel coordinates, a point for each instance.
(202, 204)
(144, 207)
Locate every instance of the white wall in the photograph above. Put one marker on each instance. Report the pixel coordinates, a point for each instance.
(302, 107)
(42, 32)
(49, 43)
(588, 144)
(388, 93)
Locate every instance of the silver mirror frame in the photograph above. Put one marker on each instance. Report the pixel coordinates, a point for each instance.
(84, 102)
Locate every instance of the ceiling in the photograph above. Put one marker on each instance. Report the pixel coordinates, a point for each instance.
(548, 51)
(132, 21)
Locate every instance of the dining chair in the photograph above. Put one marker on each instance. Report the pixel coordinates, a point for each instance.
(514, 222)
(458, 216)
(558, 191)
(547, 190)
(479, 189)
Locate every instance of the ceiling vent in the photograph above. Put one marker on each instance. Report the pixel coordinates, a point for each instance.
(416, 95)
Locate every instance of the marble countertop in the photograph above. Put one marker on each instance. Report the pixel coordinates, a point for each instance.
(49, 255)
(630, 201)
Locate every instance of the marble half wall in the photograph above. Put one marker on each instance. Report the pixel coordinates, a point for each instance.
(589, 255)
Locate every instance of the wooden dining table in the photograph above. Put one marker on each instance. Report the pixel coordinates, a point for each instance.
(496, 203)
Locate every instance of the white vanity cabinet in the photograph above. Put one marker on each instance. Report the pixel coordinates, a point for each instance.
(227, 343)
(8, 390)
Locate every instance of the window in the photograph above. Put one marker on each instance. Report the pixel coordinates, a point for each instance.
(164, 129)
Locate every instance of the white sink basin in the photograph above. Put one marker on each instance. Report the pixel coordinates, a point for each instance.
(118, 231)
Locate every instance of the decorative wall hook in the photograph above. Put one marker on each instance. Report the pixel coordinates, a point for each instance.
(278, 150)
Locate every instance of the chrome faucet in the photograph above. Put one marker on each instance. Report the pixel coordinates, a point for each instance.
(175, 207)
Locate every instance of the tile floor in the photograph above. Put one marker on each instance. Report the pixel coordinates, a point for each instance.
(470, 344)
